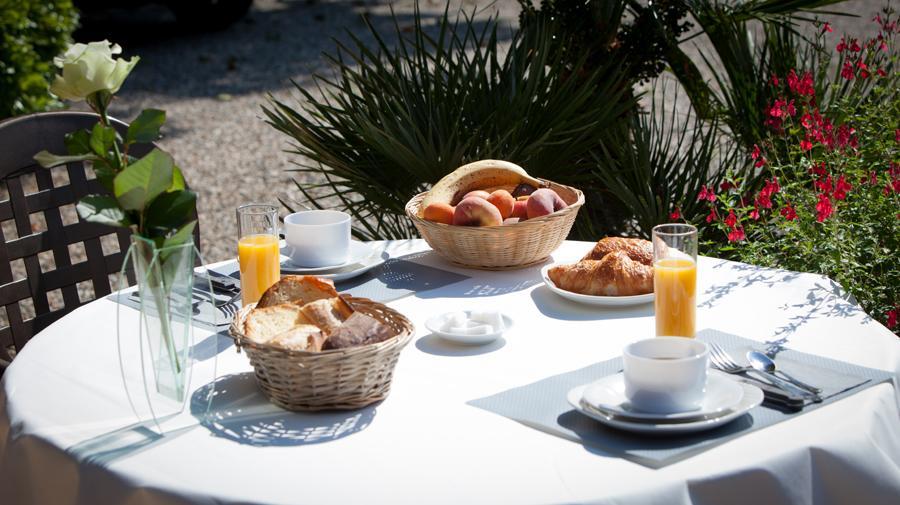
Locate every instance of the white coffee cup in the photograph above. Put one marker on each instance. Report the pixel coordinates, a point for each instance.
(318, 238)
(666, 374)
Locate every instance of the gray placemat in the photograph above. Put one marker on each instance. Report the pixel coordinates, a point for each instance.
(397, 278)
(542, 405)
(205, 314)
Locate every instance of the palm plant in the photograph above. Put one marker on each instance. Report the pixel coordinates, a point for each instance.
(401, 118)
(659, 162)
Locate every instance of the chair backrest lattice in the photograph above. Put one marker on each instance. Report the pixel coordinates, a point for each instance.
(51, 261)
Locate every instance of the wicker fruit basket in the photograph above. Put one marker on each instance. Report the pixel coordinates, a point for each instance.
(341, 379)
(500, 247)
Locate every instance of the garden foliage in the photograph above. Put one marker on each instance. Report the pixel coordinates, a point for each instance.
(32, 32)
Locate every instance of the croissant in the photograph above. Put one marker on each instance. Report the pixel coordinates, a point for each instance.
(614, 275)
(637, 249)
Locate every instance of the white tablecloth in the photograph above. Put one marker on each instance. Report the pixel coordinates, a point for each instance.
(62, 394)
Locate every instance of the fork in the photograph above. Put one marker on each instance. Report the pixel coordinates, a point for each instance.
(725, 363)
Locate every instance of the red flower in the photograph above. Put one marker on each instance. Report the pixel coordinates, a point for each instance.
(841, 46)
(854, 46)
(754, 214)
(844, 135)
(776, 109)
(675, 215)
(806, 120)
(892, 318)
(713, 215)
(790, 108)
(881, 73)
(826, 186)
(706, 193)
(847, 70)
(737, 234)
(725, 186)
(788, 212)
(826, 28)
(818, 169)
(756, 150)
(774, 80)
(792, 80)
(805, 87)
(805, 145)
(824, 209)
(730, 219)
(841, 188)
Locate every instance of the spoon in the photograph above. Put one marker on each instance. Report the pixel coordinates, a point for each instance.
(763, 363)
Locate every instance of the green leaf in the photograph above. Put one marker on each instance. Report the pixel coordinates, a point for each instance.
(145, 127)
(105, 173)
(78, 142)
(184, 234)
(170, 210)
(102, 138)
(142, 181)
(177, 179)
(47, 160)
(102, 209)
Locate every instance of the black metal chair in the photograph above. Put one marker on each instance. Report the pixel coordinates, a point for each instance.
(46, 248)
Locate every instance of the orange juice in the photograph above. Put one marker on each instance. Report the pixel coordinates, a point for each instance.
(675, 287)
(259, 261)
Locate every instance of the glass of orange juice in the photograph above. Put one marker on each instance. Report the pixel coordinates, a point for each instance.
(258, 251)
(675, 279)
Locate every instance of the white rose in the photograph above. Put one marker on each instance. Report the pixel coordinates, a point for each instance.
(89, 68)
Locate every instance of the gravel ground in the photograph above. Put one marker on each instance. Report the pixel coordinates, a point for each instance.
(212, 85)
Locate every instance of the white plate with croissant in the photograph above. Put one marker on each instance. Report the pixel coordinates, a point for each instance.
(616, 272)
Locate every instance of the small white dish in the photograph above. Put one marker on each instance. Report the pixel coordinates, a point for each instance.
(751, 397)
(359, 252)
(435, 325)
(602, 301)
(608, 395)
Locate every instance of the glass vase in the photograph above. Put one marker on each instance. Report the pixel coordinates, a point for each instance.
(155, 347)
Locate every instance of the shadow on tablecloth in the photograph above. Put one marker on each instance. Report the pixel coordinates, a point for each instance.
(239, 412)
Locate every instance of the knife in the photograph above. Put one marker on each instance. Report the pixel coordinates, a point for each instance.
(777, 397)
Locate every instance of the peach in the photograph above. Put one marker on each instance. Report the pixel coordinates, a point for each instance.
(484, 195)
(474, 211)
(520, 210)
(439, 213)
(503, 201)
(510, 220)
(544, 201)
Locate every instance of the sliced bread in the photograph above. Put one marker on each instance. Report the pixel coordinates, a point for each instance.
(263, 324)
(303, 337)
(299, 289)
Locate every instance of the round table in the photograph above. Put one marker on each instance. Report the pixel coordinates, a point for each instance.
(62, 398)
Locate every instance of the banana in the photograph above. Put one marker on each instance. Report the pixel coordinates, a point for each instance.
(477, 175)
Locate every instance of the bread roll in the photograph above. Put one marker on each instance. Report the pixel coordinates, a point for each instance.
(326, 314)
(303, 337)
(299, 289)
(263, 324)
(358, 329)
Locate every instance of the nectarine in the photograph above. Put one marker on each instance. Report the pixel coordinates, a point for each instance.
(439, 213)
(474, 211)
(520, 210)
(503, 201)
(484, 195)
(544, 201)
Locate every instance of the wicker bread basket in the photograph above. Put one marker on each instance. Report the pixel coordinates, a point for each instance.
(341, 379)
(500, 247)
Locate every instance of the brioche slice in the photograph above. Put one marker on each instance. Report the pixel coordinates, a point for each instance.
(299, 289)
(303, 337)
(263, 324)
(358, 329)
(327, 314)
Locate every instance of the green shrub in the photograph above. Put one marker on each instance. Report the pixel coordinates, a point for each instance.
(831, 199)
(32, 32)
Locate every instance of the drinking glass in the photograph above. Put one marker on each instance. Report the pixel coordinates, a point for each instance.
(258, 254)
(675, 279)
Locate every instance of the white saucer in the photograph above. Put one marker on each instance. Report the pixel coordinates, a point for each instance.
(751, 397)
(608, 301)
(359, 251)
(434, 326)
(607, 395)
